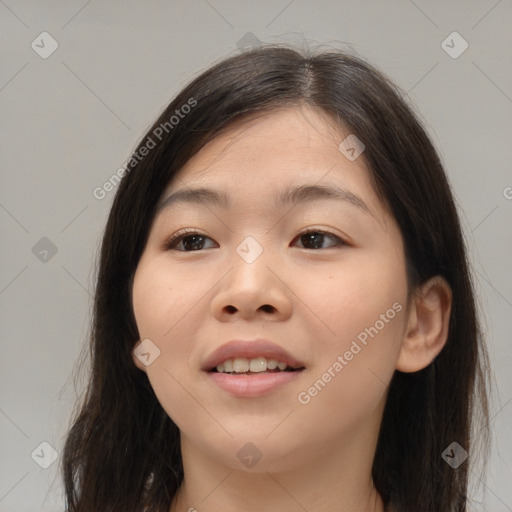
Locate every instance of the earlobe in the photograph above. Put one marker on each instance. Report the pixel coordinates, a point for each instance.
(427, 328)
(136, 360)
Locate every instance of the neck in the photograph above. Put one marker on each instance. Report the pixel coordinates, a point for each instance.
(336, 480)
(233, 491)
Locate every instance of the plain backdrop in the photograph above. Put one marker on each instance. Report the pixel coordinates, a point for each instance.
(71, 114)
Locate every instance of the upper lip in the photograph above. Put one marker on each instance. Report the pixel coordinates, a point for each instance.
(250, 349)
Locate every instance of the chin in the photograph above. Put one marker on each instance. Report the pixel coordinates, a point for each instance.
(258, 452)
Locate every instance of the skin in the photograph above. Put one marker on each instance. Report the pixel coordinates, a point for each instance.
(315, 456)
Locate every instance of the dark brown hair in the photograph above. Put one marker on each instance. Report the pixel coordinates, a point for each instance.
(122, 452)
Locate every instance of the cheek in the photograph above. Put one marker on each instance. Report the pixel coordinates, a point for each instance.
(346, 299)
(351, 375)
(163, 303)
(162, 299)
(362, 308)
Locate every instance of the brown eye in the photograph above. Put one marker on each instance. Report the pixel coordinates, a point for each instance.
(188, 241)
(314, 239)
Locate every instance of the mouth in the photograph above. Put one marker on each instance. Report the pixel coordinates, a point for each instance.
(251, 368)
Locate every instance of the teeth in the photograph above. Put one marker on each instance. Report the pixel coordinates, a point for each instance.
(255, 365)
(241, 365)
(258, 365)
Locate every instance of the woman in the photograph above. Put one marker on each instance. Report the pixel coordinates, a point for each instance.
(241, 363)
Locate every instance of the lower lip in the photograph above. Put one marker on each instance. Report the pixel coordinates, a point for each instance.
(253, 384)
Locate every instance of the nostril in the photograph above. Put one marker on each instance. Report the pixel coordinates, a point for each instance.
(266, 307)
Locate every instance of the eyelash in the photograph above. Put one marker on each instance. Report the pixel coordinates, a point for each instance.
(173, 240)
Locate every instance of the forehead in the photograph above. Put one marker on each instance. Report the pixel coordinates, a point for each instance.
(274, 151)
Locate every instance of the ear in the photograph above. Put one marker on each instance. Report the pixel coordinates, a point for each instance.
(427, 325)
(136, 360)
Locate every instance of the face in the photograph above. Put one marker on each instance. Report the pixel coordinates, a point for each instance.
(312, 279)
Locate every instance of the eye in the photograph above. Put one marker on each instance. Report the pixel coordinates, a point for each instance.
(190, 238)
(315, 237)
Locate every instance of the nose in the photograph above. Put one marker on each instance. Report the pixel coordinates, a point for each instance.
(251, 291)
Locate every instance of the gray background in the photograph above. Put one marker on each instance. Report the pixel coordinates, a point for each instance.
(69, 121)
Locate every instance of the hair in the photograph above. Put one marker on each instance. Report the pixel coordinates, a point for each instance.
(122, 451)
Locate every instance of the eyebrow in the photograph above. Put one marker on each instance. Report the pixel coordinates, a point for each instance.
(290, 196)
